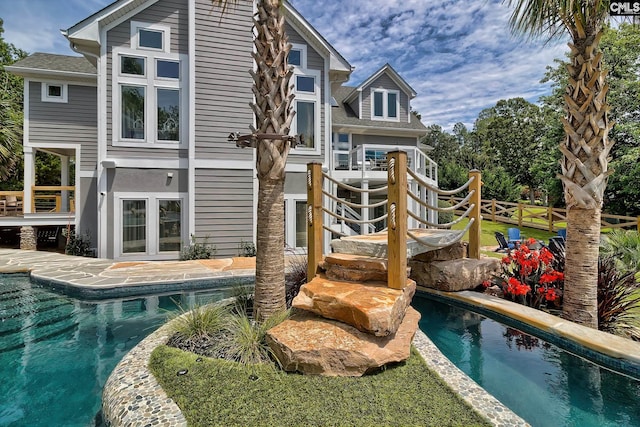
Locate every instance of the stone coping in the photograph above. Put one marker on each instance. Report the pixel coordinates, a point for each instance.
(617, 353)
(132, 397)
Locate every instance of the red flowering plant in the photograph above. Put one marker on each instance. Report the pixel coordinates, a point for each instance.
(528, 277)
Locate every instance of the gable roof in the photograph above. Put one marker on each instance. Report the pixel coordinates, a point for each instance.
(86, 33)
(344, 117)
(393, 74)
(52, 66)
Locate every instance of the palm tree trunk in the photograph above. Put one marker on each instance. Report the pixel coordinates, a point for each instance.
(274, 114)
(584, 173)
(581, 266)
(270, 286)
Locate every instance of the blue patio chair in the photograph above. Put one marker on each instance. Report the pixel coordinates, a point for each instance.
(502, 241)
(514, 235)
(562, 232)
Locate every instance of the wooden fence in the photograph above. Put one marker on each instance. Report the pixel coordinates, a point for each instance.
(541, 217)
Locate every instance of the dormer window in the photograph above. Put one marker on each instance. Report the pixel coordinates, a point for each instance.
(54, 92)
(385, 104)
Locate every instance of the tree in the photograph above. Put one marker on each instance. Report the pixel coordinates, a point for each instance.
(11, 94)
(586, 145)
(511, 134)
(274, 114)
(622, 59)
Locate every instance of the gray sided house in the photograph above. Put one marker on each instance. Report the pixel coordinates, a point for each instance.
(140, 122)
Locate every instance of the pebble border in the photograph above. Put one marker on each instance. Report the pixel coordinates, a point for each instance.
(133, 398)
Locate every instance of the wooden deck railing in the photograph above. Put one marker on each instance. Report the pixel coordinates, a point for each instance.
(397, 216)
(53, 198)
(541, 217)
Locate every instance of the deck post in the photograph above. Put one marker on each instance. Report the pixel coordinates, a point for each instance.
(475, 229)
(314, 218)
(397, 221)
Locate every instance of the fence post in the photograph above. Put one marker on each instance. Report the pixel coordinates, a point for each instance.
(519, 215)
(314, 218)
(493, 210)
(550, 215)
(475, 229)
(397, 210)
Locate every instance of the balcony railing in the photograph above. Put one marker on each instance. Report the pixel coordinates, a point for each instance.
(44, 199)
(374, 158)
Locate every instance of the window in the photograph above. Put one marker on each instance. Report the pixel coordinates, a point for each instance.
(305, 84)
(132, 65)
(305, 120)
(168, 101)
(385, 104)
(298, 55)
(134, 226)
(307, 105)
(54, 92)
(295, 57)
(149, 225)
(167, 69)
(147, 97)
(146, 36)
(301, 224)
(150, 39)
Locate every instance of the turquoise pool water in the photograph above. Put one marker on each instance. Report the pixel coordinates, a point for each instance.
(538, 381)
(56, 352)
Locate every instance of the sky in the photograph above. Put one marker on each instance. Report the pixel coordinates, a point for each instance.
(458, 55)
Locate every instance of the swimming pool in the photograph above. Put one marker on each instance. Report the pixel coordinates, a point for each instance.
(56, 352)
(538, 381)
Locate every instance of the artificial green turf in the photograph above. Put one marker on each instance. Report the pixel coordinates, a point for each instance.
(219, 393)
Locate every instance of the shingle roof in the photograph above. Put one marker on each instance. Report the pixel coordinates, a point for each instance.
(344, 115)
(52, 62)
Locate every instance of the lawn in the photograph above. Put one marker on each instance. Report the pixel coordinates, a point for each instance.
(215, 392)
(488, 229)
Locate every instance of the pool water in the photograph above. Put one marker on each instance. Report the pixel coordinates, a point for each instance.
(56, 352)
(538, 381)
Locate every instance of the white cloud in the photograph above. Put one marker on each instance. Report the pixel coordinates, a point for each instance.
(457, 54)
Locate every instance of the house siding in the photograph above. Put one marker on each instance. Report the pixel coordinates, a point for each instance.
(222, 81)
(73, 122)
(224, 208)
(315, 61)
(384, 82)
(87, 209)
(173, 13)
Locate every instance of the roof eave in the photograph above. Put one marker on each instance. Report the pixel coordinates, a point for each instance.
(39, 72)
(365, 129)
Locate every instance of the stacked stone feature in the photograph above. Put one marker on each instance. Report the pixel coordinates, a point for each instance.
(349, 322)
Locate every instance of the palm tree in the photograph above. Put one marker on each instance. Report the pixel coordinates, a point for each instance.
(274, 114)
(586, 145)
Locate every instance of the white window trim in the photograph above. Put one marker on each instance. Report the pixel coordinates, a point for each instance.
(290, 216)
(385, 107)
(151, 84)
(135, 36)
(64, 96)
(151, 220)
(303, 55)
(313, 97)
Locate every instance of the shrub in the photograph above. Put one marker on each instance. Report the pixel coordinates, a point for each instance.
(529, 277)
(197, 250)
(624, 247)
(247, 342)
(246, 249)
(199, 329)
(77, 245)
(444, 217)
(296, 276)
(617, 300)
